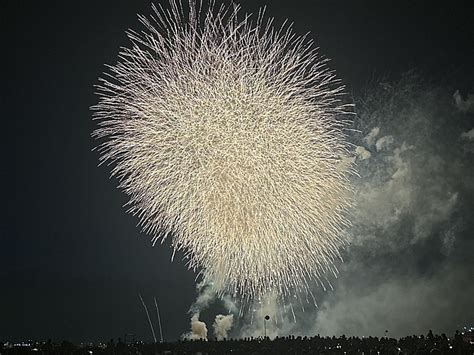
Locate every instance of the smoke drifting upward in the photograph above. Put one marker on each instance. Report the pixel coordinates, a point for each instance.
(464, 105)
(222, 325)
(205, 298)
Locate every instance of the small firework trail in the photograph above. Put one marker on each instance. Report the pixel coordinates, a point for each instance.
(226, 134)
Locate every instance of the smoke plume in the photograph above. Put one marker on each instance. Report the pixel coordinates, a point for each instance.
(222, 325)
(198, 329)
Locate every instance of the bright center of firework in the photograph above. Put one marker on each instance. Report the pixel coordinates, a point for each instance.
(226, 135)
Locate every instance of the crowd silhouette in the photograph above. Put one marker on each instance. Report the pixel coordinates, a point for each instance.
(461, 343)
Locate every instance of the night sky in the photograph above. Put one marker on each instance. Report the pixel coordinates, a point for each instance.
(72, 261)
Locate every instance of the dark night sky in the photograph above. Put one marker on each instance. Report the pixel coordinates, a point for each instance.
(71, 260)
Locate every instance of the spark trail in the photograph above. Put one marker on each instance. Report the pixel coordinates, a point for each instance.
(228, 135)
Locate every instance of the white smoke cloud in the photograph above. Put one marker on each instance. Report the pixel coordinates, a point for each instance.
(469, 135)
(362, 153)
(384, 142)
(449, 240)
(206, 296)
(372, 136)
(198, 329)
(464, 105)
(222, 325)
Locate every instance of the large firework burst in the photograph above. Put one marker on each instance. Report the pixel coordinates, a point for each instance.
(225, 134)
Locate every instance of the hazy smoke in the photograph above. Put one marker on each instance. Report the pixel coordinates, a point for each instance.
(403, 305)
(410, 264)
(464, 105)
(281, 320)
(205, 297)
(222, 325)
(469, 135)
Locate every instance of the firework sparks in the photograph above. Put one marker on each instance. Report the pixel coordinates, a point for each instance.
(224, 133)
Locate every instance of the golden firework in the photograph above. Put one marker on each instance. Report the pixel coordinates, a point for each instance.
(226, 134)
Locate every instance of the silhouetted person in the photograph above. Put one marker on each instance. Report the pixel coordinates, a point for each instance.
(430, 336)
